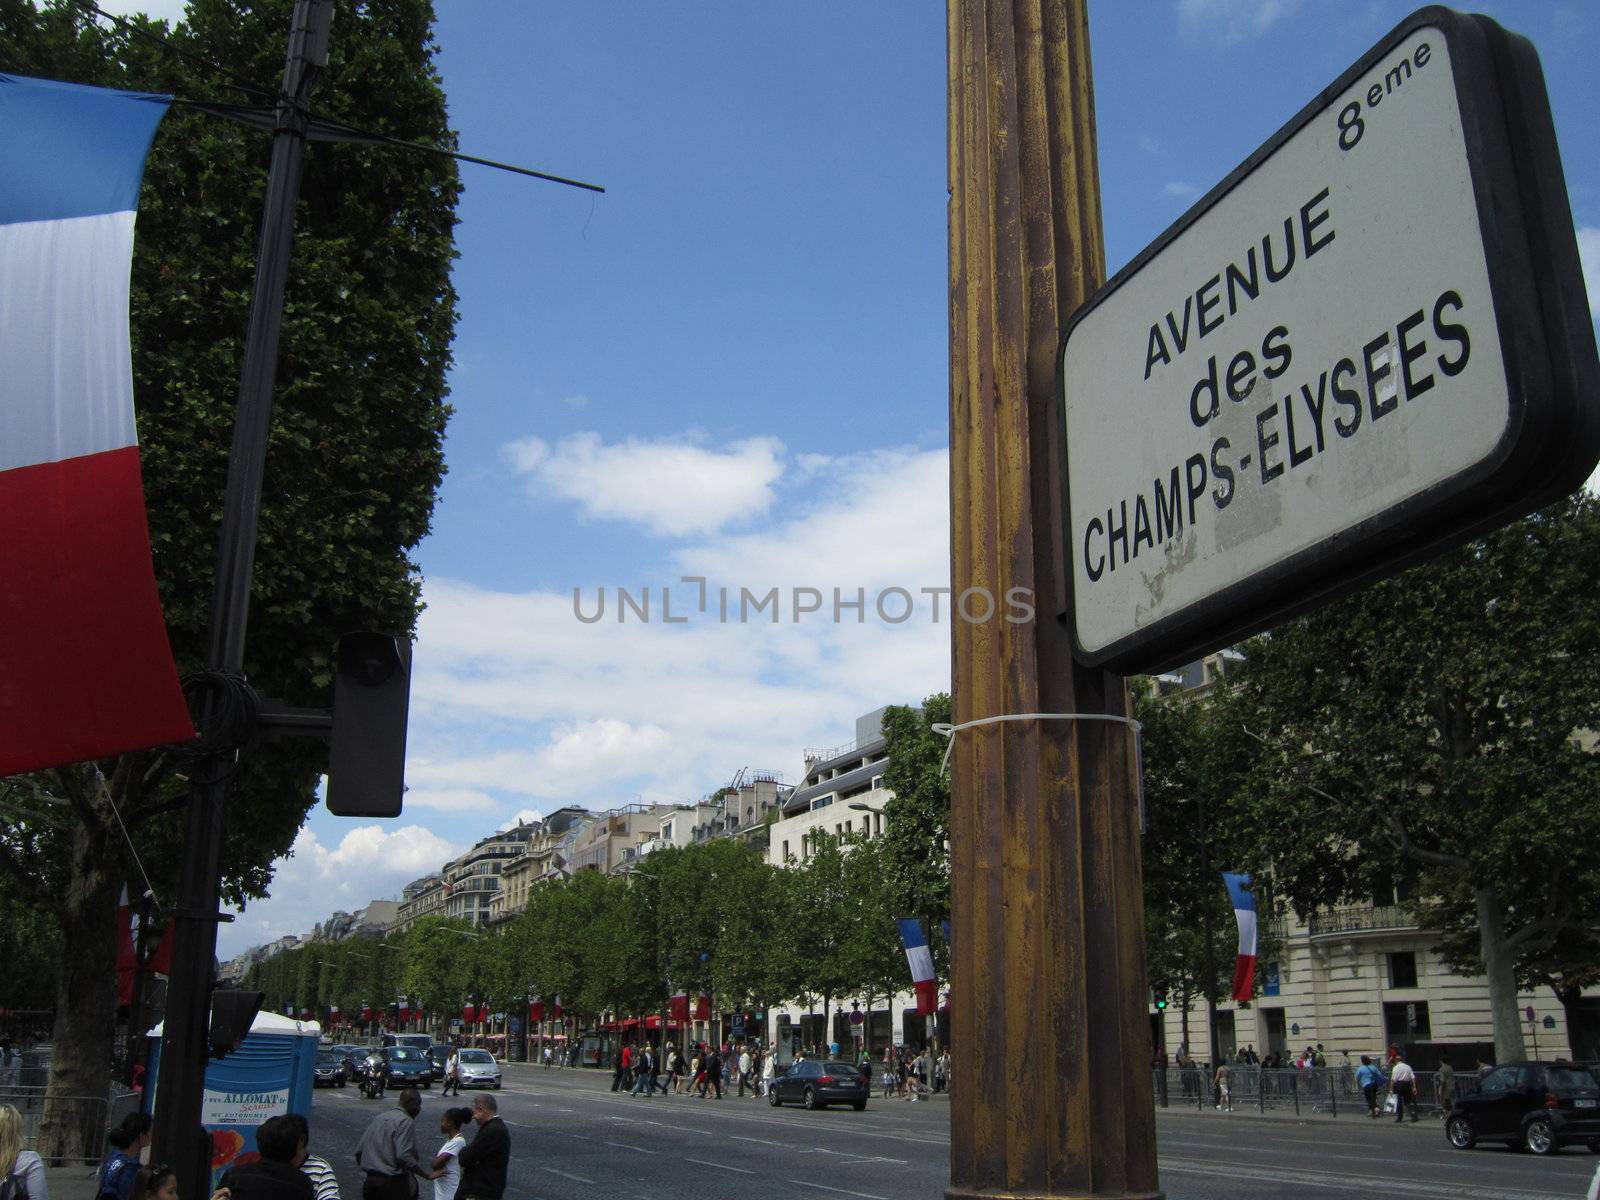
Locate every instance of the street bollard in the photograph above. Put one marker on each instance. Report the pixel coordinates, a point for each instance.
(1333, 1095)
(1294, 1086)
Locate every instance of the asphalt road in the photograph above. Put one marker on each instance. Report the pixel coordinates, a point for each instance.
(574, 1139)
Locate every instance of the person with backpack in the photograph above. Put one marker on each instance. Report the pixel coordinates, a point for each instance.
(21, 1171)
(120, 1169)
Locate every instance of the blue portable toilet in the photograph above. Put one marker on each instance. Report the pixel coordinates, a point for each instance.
(269, 1073)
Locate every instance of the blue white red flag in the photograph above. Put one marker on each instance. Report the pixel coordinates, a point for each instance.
(920, 960)
(1244, 911)
(85, 667)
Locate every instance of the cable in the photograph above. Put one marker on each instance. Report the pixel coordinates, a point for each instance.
(237, 81)
(105, 791)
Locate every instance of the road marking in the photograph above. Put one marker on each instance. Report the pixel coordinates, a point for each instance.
(566, 1175)
(700, 1162)
(841, 1191)
(1346, 1182)
(626, 1146)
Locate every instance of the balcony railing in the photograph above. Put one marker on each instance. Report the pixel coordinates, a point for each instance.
(1361, 918)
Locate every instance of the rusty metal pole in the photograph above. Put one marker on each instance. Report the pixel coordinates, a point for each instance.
(1048, 975)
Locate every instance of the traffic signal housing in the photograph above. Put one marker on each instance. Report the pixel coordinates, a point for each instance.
(1159, 988)
(371, 704)
(232, 1014)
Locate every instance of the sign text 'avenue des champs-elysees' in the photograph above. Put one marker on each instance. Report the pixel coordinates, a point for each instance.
(1367, 343)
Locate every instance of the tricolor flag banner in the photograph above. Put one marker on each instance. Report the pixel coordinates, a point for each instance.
(678, 1009)
(85, 667)
(920, 959)
(702, 1007)
(536, 1009)
(555, 1008)
(1244, 911)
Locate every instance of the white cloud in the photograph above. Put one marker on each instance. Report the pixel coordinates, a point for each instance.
(313, 880)
(514, 696)
(672, 488)
(526, 816)
(1181, 189)
(1231, 20)
(171, 11)
(450, 799)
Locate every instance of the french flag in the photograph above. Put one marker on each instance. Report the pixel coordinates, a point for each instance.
(1244, 911)
(85, 667)
(536, 1009)
(920, 959)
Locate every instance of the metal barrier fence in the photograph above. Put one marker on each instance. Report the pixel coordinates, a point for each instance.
(49, 1122)
(1324, 1091)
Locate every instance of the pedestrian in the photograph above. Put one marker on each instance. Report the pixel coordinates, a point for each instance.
(1403, 1081)
(545, 1054)
(641, 1073)
(388, 1151)
(944, 1069)
(1369, 1078)
(276, 1175)
(1445, 1085)
(452, 1071)
(746, 1072)
(484, 1161)
(315, 1168)
(624, 1068)
(21, 1171)
(711, 1073)
(1222, 1079)
(120, 1169)
(447, 1162)
(769, 1072)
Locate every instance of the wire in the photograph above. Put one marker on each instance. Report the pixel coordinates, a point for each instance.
(236, 80)
(105, 791)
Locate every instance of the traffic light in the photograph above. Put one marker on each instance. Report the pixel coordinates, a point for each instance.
(1160, 990)
(371, 701)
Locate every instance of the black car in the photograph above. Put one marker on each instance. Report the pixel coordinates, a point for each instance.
(352, 1056)
(817, 1084)
(1542, 1106)
(329, 1070)
(408, 1067)
(439, 1055)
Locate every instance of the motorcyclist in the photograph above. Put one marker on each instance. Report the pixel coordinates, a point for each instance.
(377, 1073)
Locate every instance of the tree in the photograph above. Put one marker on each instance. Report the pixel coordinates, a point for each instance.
(1196, 776)
(917, 838)
(1441, 724)
(355, 451)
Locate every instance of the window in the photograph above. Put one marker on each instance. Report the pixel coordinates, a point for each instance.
(1403, 969)
(1406, 1021)
(786, 851)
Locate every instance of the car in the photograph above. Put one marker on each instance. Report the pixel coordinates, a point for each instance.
(352, 1057)
(817, 1084)
(479, 1069)
(329, 1070)
(439, 1053)
(1542, 1106)
(408, 1067)
(419, 1041)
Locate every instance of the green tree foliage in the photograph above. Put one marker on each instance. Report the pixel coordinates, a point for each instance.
(1440, 725)
(917, 836)
(1196, 780)
(355, 452)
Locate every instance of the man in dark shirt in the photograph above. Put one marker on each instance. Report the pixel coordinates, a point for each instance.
(277, 1175)
(484, 1161)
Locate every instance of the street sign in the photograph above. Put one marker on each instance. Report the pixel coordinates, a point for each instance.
(1549, 1022)
(1367, 343)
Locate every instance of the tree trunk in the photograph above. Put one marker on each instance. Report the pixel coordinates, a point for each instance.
(74, 1124)
(1499, 966)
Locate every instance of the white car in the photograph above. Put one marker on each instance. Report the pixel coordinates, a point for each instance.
(478, 1069)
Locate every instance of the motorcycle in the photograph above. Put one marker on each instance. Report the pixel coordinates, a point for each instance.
(374, 1077)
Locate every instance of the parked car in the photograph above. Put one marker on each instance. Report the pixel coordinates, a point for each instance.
(1542, 1106)
(408, 1067)
(479, 1069)
(329, 1070)
(817, 1084)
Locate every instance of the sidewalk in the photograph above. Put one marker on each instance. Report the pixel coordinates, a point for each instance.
(1345, 1116)
(602, 1077)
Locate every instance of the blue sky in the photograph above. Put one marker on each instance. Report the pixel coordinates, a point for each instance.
(733, 365)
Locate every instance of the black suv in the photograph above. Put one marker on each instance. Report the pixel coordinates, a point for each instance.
(1542, 1106)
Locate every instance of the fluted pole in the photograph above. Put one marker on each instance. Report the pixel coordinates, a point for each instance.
(1053, 1093)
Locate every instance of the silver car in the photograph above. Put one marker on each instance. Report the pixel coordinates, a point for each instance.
(478, 1069)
